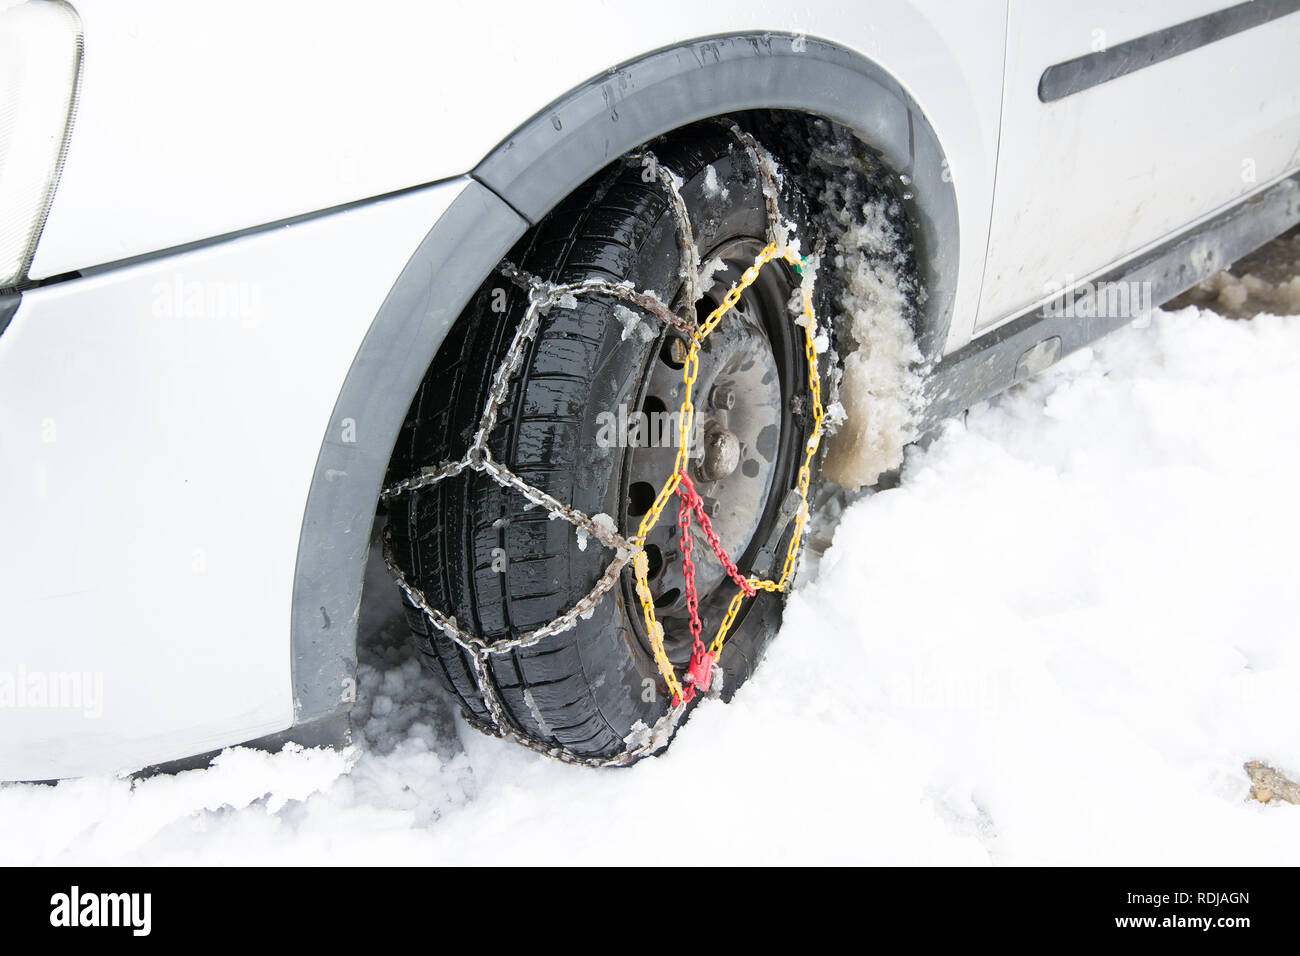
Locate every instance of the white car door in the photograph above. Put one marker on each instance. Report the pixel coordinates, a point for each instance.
(1183, 108)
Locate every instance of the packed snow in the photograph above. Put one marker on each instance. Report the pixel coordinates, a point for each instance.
(880, 385)
(1057, 640)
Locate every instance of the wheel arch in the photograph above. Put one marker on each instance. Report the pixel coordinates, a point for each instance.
(513, 188)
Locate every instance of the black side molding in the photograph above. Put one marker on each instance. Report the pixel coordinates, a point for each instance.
(1084, 72)
(8, 306)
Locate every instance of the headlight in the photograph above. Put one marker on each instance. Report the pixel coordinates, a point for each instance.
(40, 64)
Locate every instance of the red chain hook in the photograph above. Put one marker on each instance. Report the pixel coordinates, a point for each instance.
(699, 673)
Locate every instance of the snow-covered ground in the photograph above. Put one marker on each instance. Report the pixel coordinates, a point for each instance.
(1056, 641)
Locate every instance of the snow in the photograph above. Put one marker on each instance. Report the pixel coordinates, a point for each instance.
(712, 187)
(631, 322)
(1056, 641)
(881, 383)
(602, 521)
(708, 274)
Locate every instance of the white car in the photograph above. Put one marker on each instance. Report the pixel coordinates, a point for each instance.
(528, 295)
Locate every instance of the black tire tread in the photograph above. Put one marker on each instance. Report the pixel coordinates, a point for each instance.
(444, 536)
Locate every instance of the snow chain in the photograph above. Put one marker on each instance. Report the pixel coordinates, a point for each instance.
(542, 296)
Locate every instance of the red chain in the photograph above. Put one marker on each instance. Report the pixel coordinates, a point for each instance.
(690, 496)
(688, 570)
(700, 672)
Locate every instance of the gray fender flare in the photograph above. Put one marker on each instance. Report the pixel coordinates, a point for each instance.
(513, 188)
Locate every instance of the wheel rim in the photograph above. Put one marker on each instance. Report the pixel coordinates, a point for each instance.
(744, 438)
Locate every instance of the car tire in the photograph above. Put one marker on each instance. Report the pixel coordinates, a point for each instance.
(481, 553)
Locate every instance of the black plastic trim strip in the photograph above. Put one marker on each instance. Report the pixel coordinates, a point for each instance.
(446, 269)
(1085, 72)
(8, 306)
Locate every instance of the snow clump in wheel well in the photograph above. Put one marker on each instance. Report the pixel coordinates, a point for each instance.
(871, 292)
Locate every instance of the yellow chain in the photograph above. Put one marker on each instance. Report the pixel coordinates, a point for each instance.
(686, 418)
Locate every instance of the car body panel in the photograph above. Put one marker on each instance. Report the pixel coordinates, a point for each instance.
(1136, 158)
(161, 427)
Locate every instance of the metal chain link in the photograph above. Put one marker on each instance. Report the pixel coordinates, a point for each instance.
(672, 183)
(542, 296)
